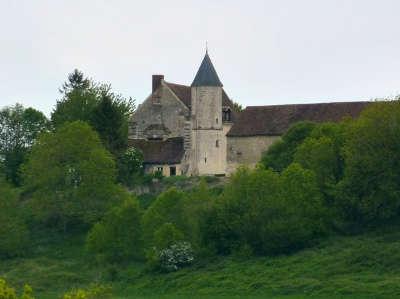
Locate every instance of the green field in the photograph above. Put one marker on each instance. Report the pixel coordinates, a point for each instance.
(364, 266)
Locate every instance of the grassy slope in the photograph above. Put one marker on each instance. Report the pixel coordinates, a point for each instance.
(366, 266)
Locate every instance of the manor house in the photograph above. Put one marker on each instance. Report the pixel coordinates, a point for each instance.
(195, 130)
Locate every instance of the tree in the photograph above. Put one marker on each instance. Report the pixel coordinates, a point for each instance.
(13, 231)
(370, 190)
(118, 236)
(269, 212)
(95, 103)
(110, 122)
(19, 128)
(280, 154)
(79, 98)
(70, 176)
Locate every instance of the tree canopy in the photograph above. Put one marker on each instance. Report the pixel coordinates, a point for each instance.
(70, 175)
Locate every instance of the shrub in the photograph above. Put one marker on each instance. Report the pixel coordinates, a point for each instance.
(118, 236)
(93, 292)
(176, 256)
(7, 292)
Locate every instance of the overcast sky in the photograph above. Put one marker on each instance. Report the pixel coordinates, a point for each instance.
(265, 52)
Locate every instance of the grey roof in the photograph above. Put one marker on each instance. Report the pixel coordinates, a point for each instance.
(206, 75)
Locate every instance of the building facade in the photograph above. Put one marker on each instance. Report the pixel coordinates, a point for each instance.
(194, 130)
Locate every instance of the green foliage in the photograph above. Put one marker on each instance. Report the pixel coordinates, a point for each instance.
(269, 212)
(7, 292)
(78, 102)
(19, 128)
(107, 112)
(130, 166)
(167, 235)
(13, 231)
(280, 154)
(370, 190)
(93, 292)
(111, 123)
(70, 176)
(167, 208)
(118, 236)
(321, 152)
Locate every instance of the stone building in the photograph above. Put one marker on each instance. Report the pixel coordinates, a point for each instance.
(194, 130)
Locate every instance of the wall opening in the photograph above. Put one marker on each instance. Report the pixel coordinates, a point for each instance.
(172, 171)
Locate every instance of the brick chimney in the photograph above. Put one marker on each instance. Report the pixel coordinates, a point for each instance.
(156, 81)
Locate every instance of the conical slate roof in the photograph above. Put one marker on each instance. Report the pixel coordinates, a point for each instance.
(206, 75)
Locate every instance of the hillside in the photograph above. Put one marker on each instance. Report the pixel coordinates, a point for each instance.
(364, 266)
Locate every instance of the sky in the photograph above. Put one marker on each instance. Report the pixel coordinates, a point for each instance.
(265, 52)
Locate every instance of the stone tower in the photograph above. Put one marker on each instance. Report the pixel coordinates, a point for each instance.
(208, 155)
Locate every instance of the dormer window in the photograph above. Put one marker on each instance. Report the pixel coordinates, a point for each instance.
(226, 115)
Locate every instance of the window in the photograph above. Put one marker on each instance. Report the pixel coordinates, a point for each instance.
(159, 169)
(216, 120)
(226, 115)
(172, 171)
(216, 143)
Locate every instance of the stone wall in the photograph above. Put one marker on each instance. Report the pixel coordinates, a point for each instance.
(246, 150)
(162, 108)
(208, 148)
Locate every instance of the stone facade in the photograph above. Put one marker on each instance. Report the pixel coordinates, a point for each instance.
(208, 139)
(247, 150)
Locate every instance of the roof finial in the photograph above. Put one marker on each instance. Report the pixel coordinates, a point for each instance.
(206, 47)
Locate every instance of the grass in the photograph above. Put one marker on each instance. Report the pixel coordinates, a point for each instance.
(364, 266)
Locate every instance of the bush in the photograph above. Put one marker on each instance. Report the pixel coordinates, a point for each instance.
(118, 236)
(7, 292)
(93, 292)
(14, 237)
(176, 256)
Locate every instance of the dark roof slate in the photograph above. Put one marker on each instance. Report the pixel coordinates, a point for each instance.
(206, 74)
(276, 120)
(169, 151)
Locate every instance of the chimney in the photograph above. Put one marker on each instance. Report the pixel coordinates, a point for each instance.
(157, 81)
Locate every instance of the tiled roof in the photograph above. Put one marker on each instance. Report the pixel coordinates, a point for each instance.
(169, 151)
(276, 120)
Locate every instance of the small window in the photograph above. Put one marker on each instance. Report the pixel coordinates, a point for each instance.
(160, 169)
(216, 120)
(216, 143)
(226, 115)
(172, 171)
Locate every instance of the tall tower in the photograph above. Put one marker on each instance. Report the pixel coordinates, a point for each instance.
(208, 156)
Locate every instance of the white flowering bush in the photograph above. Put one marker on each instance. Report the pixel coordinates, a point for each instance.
(130, 165)
(176, 256)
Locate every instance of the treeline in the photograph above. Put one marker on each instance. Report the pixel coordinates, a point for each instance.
(74, 170)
